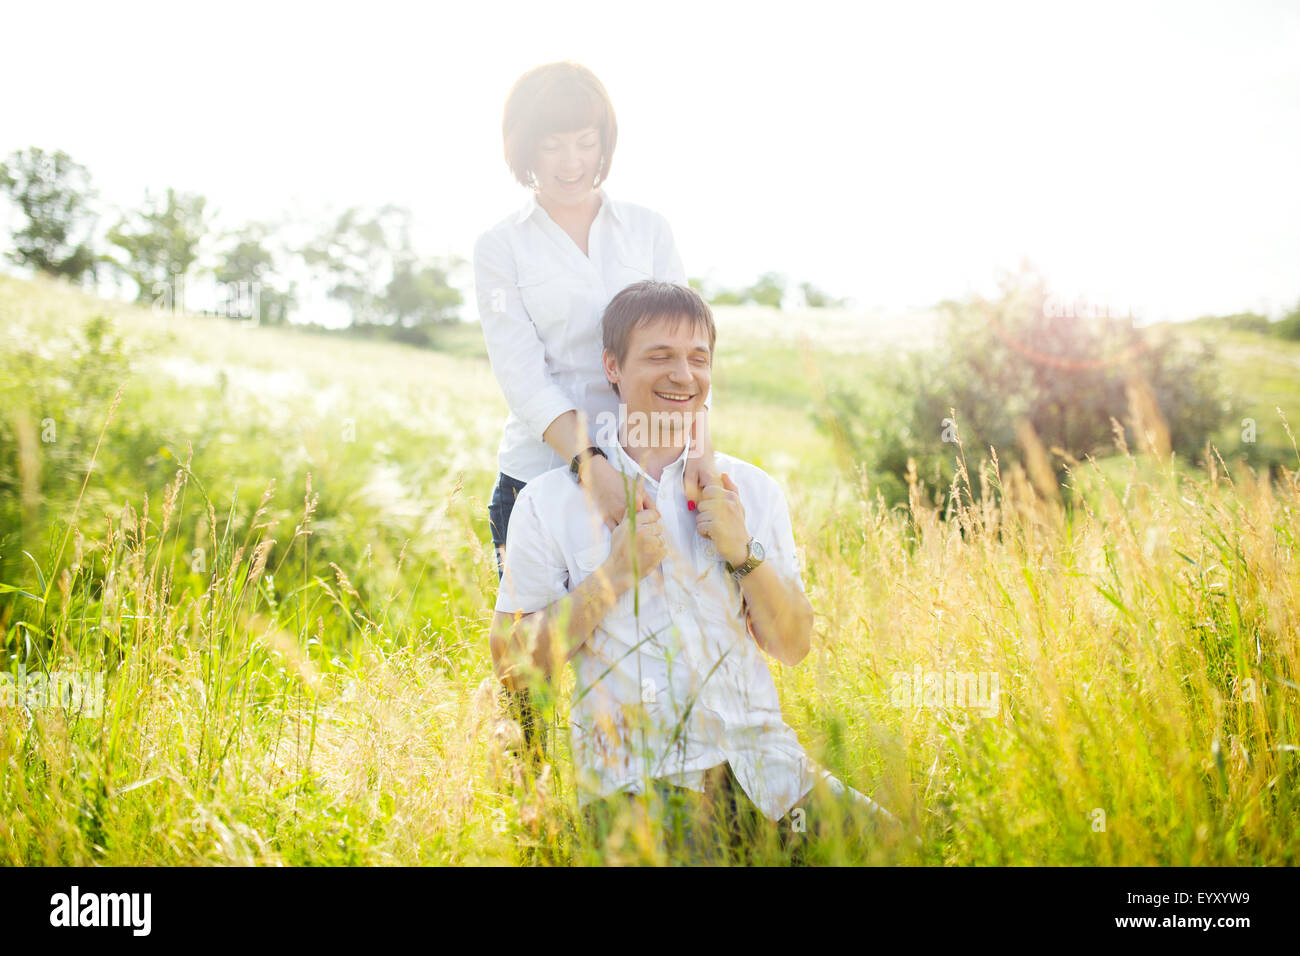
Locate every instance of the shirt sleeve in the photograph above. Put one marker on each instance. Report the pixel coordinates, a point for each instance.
(779, 545)
(536, 574)
(514, 347)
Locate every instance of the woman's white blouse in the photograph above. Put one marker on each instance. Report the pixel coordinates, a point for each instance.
(540, 301)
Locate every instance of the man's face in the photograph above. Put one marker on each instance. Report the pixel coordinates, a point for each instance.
(667, 370)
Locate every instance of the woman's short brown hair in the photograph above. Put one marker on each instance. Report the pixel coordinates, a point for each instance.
(556, 98)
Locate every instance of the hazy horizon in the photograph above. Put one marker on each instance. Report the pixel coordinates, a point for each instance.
(1140, 156)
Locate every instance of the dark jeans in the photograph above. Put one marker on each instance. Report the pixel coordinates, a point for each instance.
(721, 825)
(503, 503)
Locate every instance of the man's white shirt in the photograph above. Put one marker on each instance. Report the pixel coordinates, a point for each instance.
(540, 303)
(671, 683)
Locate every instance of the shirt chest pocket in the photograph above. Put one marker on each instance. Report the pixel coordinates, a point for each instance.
(638, 611)
(587, 563)
(565, 310)
(548, 294)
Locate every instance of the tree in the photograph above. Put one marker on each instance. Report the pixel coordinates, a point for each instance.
(358, 254)
(727, 297)
(768, 290)
(717, 295)
(815, 298)
(161, 241)
(420, 295)
(55, 195)
(249, 264)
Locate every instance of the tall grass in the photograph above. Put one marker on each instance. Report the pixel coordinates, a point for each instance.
(271, 708)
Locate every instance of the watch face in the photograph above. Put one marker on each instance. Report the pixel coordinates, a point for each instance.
(756, 552)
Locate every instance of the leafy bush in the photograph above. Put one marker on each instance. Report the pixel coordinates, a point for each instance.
(56, 394)
(1289, 327)
(1238, 322)
(1286, 328)
(1013, 362)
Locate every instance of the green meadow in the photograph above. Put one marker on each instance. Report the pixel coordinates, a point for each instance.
(273, 547)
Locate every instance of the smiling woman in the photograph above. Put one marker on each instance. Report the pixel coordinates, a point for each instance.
(543, 276)
(555, 99)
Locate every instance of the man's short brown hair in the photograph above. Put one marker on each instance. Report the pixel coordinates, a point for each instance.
(641, 303)
(556, 98)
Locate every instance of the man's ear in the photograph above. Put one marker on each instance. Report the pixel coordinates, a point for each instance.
(611, 368)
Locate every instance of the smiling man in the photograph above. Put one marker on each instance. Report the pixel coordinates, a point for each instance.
(667, 618)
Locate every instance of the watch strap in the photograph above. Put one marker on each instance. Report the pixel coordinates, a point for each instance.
(591, 451)
(752, 561)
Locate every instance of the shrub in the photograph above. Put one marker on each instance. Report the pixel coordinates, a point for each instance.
(1011, 362)
(1289, 327)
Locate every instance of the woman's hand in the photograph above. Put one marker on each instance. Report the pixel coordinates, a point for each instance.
(601, 481)
(603, 484)
(701, 470)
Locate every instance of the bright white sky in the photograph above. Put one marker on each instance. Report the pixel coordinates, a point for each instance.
(1143, 156)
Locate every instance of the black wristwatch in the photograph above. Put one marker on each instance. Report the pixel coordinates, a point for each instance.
(591, 451)
(755, 558)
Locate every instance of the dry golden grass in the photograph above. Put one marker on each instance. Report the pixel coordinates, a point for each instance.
(295, 702)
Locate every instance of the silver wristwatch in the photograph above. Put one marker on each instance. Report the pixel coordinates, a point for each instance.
(755, 558)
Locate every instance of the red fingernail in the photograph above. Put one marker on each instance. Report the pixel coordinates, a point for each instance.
(690, 506)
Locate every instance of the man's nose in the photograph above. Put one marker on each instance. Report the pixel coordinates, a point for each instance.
(680, 372)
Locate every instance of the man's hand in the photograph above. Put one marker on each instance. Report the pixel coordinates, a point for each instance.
(603, 486)
(648, 544)
(532, 646)
(721, 519)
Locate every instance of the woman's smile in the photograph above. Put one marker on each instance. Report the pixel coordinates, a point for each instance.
(556, 157)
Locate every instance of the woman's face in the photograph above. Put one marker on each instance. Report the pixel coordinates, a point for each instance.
(567, 164)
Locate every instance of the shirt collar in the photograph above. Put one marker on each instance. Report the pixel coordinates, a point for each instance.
(606, 203)
(528, 209)
(624, 462)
